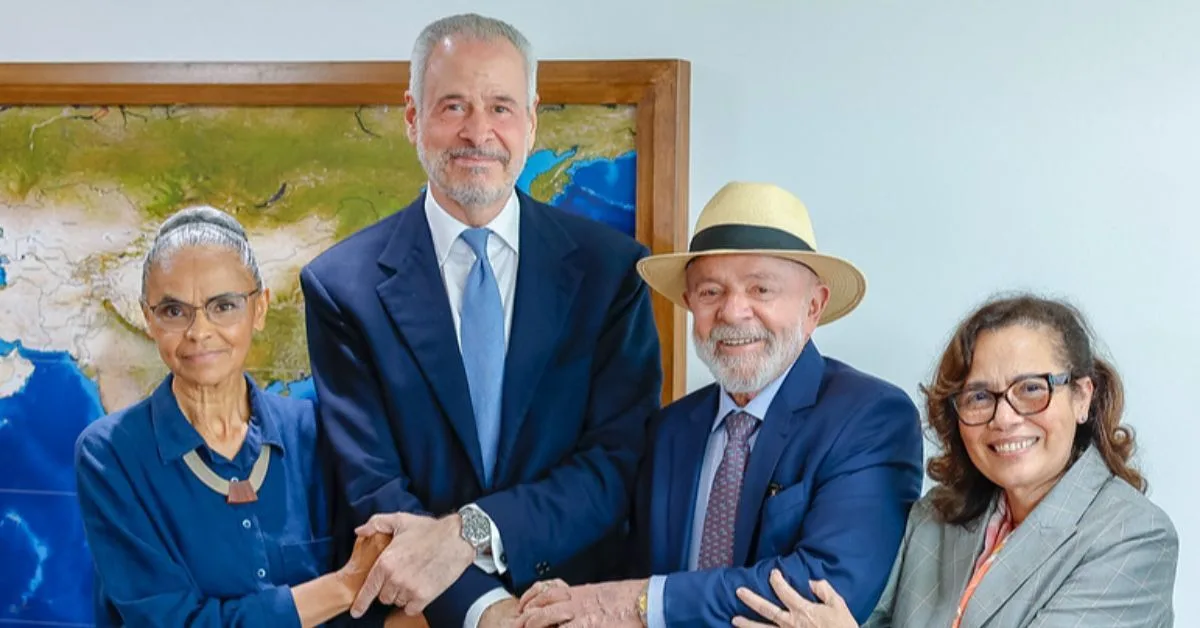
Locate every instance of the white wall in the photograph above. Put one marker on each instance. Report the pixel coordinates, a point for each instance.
(951, 149)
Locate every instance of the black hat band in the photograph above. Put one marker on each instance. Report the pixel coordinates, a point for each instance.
(746, 237)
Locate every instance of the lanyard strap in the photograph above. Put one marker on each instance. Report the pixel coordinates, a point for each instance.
(976, 578)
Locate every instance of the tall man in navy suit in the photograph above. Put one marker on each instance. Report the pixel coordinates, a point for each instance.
(792, 463)
(486, 365)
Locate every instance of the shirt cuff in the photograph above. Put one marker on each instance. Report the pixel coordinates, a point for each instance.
(656, 616)
(495, 563)
(475, 613)
(280, 603)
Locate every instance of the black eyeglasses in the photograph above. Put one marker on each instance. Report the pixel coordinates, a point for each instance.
(222, 310)
(1028, 395)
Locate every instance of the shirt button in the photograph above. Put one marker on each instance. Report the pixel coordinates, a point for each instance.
(246, 523)
(262, 573)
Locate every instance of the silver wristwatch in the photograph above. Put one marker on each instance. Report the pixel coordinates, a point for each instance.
(476, 529)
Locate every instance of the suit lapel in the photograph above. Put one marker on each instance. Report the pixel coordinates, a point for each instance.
(685, 448)
(415, 298)
(1050, 524)
(964, 543)
(547, 280)
(796, 395)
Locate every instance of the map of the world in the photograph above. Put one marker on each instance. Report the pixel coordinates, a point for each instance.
(82, 192)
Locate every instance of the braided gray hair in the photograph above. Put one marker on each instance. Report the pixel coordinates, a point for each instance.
(200, 226)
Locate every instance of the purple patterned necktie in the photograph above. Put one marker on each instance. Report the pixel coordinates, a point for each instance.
(716, 544)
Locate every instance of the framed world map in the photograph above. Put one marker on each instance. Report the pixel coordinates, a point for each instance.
(94, 156)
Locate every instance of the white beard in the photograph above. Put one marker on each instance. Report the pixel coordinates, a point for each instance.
(471, 194)
(749, 373)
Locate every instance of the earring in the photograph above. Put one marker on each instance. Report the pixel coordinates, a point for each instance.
(1083, 419)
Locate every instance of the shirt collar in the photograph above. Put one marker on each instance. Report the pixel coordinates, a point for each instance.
(175, 436)
(445, 228)
(757, 407)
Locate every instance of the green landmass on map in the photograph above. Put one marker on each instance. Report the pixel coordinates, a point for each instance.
(269, 167)
(266, 165)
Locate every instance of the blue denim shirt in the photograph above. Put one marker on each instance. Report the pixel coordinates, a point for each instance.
(170, 551)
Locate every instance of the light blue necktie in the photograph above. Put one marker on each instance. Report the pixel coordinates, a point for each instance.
(483, 346)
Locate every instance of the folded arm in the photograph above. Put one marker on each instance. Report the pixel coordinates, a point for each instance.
(851, 530)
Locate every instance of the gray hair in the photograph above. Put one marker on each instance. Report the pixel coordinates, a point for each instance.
(471, 26)
(200, 226)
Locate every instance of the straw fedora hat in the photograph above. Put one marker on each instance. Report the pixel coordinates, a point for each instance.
(757, 219)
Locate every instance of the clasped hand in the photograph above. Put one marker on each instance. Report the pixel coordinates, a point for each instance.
(424, 557)
(554, 603)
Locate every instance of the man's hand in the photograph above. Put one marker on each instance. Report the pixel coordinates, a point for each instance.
(611, 604)
(541, 592)
(502, 614)
(425, 557)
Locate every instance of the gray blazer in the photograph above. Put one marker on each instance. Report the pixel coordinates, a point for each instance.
(1094, 553)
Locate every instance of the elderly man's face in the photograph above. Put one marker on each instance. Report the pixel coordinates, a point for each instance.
(752, 316)
(475, 125)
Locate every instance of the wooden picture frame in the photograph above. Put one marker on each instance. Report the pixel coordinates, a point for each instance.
(660, 90)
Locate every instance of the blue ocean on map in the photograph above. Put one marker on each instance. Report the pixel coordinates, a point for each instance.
(46, 575)
(47, 572)
(603, 190)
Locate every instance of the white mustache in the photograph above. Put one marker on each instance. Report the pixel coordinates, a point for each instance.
(480, 153)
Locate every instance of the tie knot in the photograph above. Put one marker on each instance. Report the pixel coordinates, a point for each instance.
(476, 238)
(740, 425)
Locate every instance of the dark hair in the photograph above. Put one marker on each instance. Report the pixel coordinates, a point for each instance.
(963, 493)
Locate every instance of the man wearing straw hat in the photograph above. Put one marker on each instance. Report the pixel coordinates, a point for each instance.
(791, 465)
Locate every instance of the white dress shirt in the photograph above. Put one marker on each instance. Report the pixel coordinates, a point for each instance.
(455, 259)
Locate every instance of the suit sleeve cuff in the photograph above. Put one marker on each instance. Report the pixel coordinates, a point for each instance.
(495, 563)
(655, 616)
(450, 608)
(475, 613)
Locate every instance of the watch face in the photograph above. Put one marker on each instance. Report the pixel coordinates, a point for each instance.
(475, 528)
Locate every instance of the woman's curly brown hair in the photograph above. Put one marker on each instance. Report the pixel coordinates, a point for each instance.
(963, 493)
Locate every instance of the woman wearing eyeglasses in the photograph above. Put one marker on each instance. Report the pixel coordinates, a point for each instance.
(1038, 518)
(205, 504)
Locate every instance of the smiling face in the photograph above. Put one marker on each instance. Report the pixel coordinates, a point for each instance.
(1024, 455)
(752, 315)
(204, 353)
(474, 125)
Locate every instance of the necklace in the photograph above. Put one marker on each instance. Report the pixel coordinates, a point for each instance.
(235, 491)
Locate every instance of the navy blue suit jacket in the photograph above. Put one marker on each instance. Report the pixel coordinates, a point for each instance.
(826, 493)
(582, 378)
